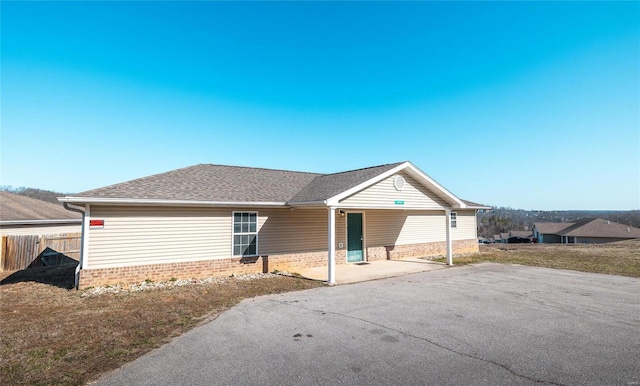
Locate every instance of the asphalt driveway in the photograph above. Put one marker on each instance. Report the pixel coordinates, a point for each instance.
(487, 324)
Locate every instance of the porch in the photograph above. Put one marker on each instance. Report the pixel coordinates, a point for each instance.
(372, 270)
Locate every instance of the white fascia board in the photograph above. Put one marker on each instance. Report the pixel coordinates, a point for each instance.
(333, 201)
(40, 222)
(157, 202)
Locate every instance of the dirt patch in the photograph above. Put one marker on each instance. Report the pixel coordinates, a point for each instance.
(51, 334)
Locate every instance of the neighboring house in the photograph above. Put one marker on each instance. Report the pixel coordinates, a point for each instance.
(519, 237)
(523, 234)
(209, 220)
(587, 230)
(548, 232)
(21, 215)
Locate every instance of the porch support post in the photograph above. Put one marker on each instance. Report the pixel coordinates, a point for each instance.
(448, 232)
(332, 246)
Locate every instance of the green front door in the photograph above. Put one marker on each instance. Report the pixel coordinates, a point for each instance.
(354, 237)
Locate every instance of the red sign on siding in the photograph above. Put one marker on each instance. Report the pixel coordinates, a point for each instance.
(96, 223)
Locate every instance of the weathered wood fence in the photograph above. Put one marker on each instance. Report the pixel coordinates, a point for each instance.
(26, 251)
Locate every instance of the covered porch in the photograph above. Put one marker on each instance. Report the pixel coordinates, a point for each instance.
(372, 270)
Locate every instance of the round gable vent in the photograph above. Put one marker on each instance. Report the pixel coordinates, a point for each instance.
(399, 183)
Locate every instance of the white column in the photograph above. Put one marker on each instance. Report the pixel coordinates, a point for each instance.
(448, 231)
(332, 246)
(84, 252)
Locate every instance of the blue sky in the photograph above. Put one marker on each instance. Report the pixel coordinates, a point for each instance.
(533, 105)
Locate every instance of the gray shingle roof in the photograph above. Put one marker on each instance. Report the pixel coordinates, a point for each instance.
(236, 184)
(14, 207)
(206, 182)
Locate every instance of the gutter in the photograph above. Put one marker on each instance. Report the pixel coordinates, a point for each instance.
(38, 222)
(82, 251)
(145, 201)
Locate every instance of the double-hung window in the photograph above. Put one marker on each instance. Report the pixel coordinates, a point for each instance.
(454, 219)
(245, 233)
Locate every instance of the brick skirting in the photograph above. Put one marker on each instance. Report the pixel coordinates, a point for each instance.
(241, 266)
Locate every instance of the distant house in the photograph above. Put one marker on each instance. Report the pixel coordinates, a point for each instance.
(207, 220)
(548, 232)
(523, 234)
(519, 237)
(21, 215)
(587, 230)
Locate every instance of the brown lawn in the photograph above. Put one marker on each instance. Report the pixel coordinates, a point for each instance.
(50, 334)
(620, 258)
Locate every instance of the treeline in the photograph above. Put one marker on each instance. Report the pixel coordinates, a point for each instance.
(40, 194)
(500, 219)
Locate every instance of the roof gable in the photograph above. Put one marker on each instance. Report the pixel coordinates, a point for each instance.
(410, 194)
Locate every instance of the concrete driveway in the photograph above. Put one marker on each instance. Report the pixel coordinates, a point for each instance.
(487, 324)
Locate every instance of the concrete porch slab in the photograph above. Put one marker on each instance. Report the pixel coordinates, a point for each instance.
(372, 270)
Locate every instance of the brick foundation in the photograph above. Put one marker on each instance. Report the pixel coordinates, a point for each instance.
(241, 266)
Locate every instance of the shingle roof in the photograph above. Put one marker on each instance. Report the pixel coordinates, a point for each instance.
(330, 185)
(236, 184)
(597, 227)
(14, 207)
(206, 182)
(551, 227)
(221, 183)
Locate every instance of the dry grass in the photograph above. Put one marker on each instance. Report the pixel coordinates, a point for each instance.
(620, 258)
(52, 335)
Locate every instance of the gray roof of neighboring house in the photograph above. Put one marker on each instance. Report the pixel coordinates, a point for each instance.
(14, 207)
(551, 227)
(597, 227)
(520, 233)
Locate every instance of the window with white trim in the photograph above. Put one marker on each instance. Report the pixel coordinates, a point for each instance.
(454, 220)
(245, 233)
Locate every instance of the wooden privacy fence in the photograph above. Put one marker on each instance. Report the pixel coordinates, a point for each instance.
(27, 251)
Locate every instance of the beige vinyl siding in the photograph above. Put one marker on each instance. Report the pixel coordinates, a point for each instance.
(40, 229)
(290, 231)
(384, 195)
(152, 235)
(393, 227)
(145, 235)
(467, 228)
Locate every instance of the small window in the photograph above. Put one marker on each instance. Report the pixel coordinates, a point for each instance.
(245, 233)
(454, 220)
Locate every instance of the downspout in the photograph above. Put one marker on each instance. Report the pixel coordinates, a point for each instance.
(79, 266)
